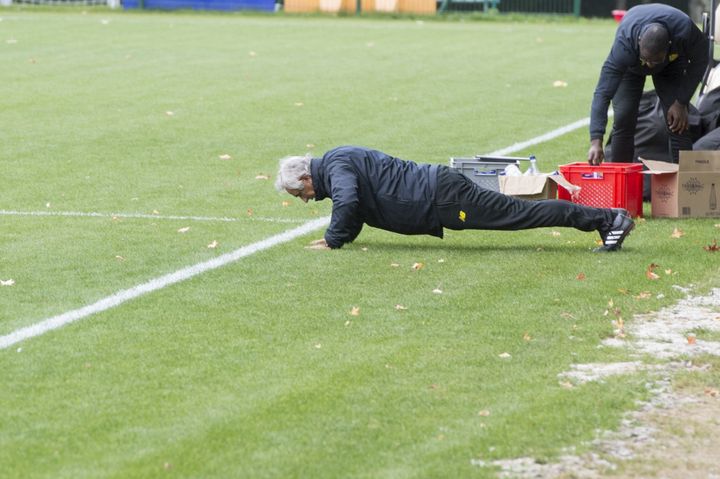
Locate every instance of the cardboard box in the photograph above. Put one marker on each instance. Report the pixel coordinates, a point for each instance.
(537, 187)
(687, 190)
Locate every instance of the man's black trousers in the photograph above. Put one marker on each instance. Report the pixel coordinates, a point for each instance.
(625, 106)
(463, 204)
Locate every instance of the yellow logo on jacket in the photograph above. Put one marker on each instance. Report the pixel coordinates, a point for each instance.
(673, 57)
(462, 216)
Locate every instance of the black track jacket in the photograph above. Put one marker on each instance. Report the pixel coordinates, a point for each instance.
(370, 187)
(689, 48)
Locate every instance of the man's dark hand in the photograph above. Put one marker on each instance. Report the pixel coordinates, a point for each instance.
(596, 155)
(677, 118)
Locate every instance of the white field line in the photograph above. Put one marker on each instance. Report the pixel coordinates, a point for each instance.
(145, 216)
(551, 135)
(120, 297)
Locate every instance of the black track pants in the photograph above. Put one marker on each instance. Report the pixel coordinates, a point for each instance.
(464, 205)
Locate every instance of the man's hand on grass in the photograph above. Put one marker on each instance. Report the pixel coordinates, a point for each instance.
(318, 244)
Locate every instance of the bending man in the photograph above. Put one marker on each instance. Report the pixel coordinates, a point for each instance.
(655, 40)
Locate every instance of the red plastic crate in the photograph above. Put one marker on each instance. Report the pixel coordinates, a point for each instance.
(609, 185)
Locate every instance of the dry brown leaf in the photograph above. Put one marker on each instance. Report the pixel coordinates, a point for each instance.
(712, 247)
(677, 233)
(580, 276)
(355, 311)
(249, 211)
(623, 291)
(285, 204)
(650, 272)
(691, 339)
(418, 266)
(711, 392)
(567, 316)
(644, 295)
(527, 337)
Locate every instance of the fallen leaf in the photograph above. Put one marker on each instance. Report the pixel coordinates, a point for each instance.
(400, 307)
(169, 113)
(184, 229)
(318, 346)
(394, 265)
(567, 384)
(437, 291)
(262, 177)
(567, 316)
(610, 303)
(418, 266)
(119, 258)
(711, 392)
(644, 295)
(556, 234)
(355, 311)
(309, 146)
(285, 204)
(7, 282)
(712, 247)
(504, 355)
(677, 233)
(691, 339)
(650, 272)
(484, 413)
(580, 277)
(560, 84)
(249, 211)
(364, 248)
(225, 157)
(213, 245)
(527, 337)
(623, 291)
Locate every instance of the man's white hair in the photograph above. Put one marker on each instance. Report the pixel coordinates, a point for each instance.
(292, 168)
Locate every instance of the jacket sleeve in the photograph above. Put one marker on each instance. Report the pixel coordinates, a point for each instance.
(698, 56)
(345, 223)
(611, 74)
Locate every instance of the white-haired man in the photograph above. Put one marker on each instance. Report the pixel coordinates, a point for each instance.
(371, 187)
